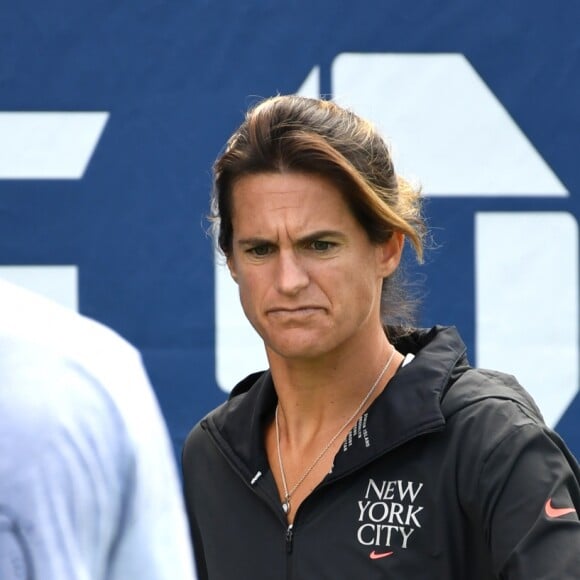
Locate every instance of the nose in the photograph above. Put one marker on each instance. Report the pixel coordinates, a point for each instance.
(291, 276)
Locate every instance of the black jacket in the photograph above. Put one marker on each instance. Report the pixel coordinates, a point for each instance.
(451, 474)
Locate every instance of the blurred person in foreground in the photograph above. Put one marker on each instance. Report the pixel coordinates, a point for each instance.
(89, 487)
(369, 448)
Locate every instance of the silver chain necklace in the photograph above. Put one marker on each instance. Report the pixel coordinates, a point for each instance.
(289, 493)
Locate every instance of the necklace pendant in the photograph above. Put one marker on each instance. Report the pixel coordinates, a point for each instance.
(286, 505)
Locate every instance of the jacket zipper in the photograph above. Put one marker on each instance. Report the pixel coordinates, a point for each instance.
(289, 542)
(289, 538)
(254, 484)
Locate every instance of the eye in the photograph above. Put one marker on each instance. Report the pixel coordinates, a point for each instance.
(321, 245)
(260, 251)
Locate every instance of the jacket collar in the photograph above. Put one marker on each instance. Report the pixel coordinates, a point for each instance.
(408, 407)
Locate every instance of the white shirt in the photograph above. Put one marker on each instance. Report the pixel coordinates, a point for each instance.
(88, 481)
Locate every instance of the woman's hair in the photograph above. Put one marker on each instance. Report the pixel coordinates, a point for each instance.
(297, 134)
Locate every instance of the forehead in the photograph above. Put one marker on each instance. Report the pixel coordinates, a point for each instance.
(287, 193)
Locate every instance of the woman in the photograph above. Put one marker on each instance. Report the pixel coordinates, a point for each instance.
(368, 449)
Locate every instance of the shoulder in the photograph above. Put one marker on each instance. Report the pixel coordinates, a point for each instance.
(30, 318)
(495, 422)
(233, 426)
(482, 390)
(197, 439)
(489, 414)
(61, 368)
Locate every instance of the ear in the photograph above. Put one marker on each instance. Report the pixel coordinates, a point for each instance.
(389, 254)
(232, 269)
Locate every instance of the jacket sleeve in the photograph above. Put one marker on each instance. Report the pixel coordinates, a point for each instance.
(189, 471)
(198, 549)
(530, 504)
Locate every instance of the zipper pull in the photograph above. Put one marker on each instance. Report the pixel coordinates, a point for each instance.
(289, 538)
(255, 478)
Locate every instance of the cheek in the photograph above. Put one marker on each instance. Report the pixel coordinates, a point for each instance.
(251, 290)
(350, 292)
(365, 289)
(356, 277)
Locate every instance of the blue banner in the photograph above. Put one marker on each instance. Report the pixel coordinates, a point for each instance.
(111, 115)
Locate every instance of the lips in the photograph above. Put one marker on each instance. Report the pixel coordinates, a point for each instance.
(295, 311)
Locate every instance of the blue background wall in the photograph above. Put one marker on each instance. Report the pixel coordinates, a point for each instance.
(175, 78)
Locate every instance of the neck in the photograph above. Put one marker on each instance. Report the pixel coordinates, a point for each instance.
(316, 396)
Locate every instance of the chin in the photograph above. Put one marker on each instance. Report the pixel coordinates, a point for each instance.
(303, 351)
(301, 343)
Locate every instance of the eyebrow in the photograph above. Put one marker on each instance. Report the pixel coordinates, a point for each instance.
(311, 237)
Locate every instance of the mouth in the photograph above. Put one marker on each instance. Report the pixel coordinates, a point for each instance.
(295, 311)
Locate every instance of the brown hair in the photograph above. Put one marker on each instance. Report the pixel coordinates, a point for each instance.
(292, 133)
